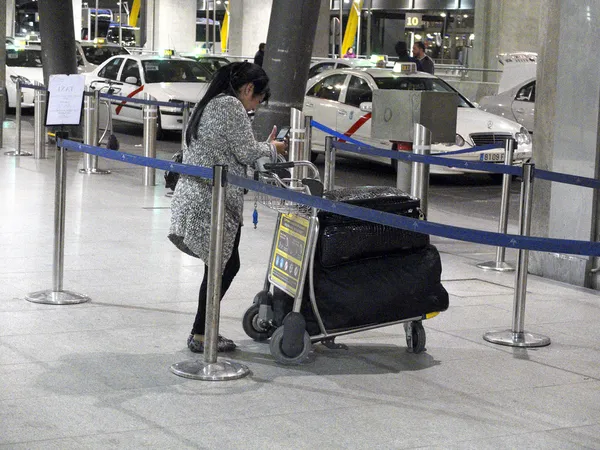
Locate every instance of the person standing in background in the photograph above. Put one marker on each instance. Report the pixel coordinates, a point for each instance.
(425, 63)
(260, 54)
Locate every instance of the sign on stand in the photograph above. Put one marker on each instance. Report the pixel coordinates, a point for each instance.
(65, 99)
(289, 253)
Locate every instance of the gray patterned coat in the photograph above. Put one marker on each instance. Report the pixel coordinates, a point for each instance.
(224, 137)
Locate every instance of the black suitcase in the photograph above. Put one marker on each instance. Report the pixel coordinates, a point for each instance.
(344, 239)
(372, 291)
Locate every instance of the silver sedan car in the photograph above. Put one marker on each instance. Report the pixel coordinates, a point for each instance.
(517, 103)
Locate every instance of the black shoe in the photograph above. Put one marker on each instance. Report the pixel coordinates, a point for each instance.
(223, 344)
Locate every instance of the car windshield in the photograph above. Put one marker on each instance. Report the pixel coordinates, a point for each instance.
(420, 84)
(23, 58)
(175, 71)
(98, 54)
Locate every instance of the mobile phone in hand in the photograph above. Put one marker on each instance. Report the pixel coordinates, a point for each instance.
(283, 134)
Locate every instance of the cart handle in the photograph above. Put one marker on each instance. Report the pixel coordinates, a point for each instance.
(292, 164)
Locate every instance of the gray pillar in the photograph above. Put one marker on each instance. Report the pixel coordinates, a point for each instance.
(567, 133)
(504, 26)
(3, 98)
(236, 27)
(287, 60)
(58, 42)
(322, 46)
(176, 31)
(10, 17)
(58, 38)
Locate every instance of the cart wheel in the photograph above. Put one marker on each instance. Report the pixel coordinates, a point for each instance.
(416, 339)
(281, 357)
(252, 324)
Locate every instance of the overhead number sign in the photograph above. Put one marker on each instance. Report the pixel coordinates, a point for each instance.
(414, 20)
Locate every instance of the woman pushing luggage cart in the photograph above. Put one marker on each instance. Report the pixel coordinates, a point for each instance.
(332, 275)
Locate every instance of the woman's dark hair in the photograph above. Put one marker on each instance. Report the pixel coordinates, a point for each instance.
(228, 80)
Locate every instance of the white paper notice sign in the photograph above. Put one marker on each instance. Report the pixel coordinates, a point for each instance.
(65, 99)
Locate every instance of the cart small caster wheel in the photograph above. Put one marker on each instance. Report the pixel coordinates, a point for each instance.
(415, 337)
(275, 346)
(253, 325)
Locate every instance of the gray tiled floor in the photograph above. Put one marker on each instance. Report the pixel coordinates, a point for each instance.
(96, 375)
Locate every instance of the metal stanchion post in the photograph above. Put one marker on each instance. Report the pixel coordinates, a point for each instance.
(213, 369)
(403, 172)
(91, 112)
(185, 118)
(419, 186)
(39, 130)
(17, 151)
(499, 265)
(329, 175)
(296, 146)
(150, 116)
(56, 295)
(307, 138)
(517, 337)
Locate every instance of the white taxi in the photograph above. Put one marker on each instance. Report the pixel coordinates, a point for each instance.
(341, 99)
(23, 63)
(167, 79)
(90, 54)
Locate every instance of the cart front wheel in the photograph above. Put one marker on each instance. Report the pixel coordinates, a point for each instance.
(415, 337)
(253, 325)
(280, 356)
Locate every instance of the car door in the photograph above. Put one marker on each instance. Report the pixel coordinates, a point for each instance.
(351, 121)
(523, 106)
(320, 67)
(130, 112)
(101, 81)
(322, 103)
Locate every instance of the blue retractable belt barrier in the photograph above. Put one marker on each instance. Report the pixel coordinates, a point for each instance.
(320, 126)
(463, 234)
(432, 160)
(38, 87)
(141, 101)
(567, 179)
(187, 169)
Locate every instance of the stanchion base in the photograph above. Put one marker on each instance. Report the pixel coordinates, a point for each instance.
(94, 171)
(495, 266)
(16, 153)
(511, 339)
(219, 371)
(57, 297)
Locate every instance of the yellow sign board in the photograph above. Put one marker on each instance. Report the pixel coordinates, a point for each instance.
(289, 253)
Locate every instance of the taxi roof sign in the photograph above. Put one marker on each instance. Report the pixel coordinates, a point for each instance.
(168, 52)
(405, 67)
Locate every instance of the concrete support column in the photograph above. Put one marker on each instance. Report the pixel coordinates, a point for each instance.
(76, 18)
(504, 26)
(10, 17)
(322, 46)
(176, 31)
(236, 26)
(567, 135)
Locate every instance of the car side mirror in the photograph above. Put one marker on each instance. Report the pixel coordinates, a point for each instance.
(131, 80)
(366, 106)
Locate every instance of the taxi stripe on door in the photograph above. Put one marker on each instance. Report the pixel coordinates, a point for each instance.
(137, 91)
(354, 128)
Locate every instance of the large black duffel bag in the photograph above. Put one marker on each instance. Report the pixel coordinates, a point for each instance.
(344, 239)
(372, 291)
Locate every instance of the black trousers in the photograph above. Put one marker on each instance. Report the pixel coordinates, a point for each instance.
(232, 267)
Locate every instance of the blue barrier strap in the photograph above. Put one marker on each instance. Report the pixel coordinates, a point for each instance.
(187, 169)
(567, 179)
(433, 160)
(141, 101)
(481, 148)
(38, 87)
(325, 129)
(422, 226)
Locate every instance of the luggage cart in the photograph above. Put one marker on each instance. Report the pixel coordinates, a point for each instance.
(292, 272)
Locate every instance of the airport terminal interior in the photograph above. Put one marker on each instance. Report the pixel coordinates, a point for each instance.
(511, 361)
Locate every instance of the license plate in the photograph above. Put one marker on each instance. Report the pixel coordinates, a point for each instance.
(492, 157)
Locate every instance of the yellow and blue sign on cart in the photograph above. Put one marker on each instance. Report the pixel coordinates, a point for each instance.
(289, 253)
